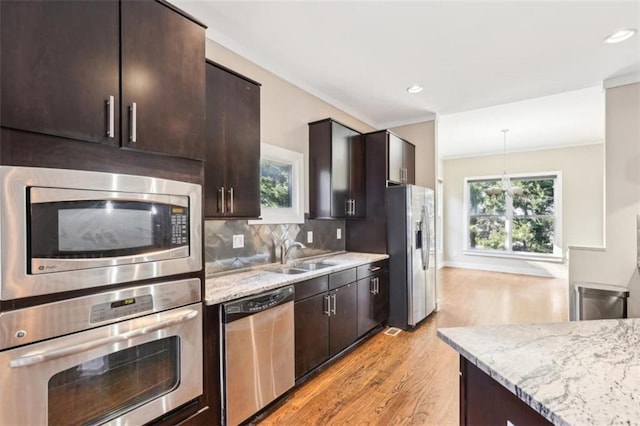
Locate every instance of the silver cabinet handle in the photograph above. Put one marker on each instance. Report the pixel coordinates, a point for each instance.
(134, 119)
(377, 285)
(328, 311)
(372, 288)
(221, 206)
(333, 311)
(231, 200)
(111, 109)
(348, 204)
(84, 347)
(354, 208)
(375, 268)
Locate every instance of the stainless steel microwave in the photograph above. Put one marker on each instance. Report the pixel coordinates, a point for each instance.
(63, 230)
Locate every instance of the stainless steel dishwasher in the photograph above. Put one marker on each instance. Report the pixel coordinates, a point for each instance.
(258, 352)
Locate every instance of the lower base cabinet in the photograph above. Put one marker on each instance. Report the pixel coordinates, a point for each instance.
(331, 312)
(325, 313)
(483, 401)
(343, 329)
(373, 295)
(311, 332)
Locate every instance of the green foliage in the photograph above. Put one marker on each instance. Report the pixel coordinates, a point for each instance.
(530, 217)
(537, 199)
(275, 184)
(481, 202)
(532, 235)
(487, 232)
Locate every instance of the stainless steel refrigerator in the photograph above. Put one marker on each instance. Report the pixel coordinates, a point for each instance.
(411, 246)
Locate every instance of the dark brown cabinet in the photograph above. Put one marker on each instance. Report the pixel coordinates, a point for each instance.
(311, 332)
(380, 146)
(336, 171)
(325, 314)
(373, 296)
(163, 80)
(484, 401)
(125, 73)
(343, 329)
(401, 155)
(60, 68)
(232, 170)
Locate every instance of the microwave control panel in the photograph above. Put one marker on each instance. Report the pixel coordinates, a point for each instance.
(179, 227)
(121, 308)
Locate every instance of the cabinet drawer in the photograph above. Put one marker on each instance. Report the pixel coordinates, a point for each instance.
(372, 268)
(338, 279)
(311, 287)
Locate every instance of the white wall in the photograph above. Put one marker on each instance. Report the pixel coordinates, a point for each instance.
(616, 263)
(285, 109)
(582, 202)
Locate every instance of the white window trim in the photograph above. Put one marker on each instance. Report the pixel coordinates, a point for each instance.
(294, 214)
(556, 256)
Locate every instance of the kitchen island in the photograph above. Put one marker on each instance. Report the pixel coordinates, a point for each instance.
(572, 373)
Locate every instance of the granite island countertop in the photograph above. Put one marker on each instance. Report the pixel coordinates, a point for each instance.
(234, 285)
(572, 373)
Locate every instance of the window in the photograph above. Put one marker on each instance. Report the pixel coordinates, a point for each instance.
(526, 225)
(281, 197)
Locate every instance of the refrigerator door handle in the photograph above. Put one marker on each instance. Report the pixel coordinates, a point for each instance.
(425, 238)
(428, 236)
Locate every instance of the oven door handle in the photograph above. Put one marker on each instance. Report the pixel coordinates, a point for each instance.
(83, 347)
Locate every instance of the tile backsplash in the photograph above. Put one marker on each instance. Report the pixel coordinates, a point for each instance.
(262, 242)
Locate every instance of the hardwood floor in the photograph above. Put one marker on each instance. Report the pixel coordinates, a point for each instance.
(412, 379)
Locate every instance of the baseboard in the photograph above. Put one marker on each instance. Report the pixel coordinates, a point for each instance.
(538, 272)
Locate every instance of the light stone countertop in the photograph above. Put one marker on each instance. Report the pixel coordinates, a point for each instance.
(234, 285)
(572, 373)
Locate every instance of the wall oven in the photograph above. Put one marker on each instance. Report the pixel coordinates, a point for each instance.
(63, 230)
(120, 357)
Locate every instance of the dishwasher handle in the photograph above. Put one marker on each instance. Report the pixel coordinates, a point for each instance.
(238, 309)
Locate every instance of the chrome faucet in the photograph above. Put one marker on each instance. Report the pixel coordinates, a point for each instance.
(286, 251)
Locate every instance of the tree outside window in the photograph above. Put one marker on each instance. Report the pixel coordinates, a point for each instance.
(518, 225)
(281, 186)
(275, 184)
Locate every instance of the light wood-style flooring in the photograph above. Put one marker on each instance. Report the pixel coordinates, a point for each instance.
(412, 379)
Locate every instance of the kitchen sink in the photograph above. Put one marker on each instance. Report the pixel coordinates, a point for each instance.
(314, 266)
(289, 271)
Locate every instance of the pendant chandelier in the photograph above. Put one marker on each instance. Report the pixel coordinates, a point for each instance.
(505, 186)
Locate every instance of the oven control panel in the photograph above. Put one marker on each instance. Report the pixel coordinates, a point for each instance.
(121, 308)
(179, 227)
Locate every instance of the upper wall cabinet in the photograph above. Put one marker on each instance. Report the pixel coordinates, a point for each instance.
(336, 171)
(64, 64)
(400, 158)
(232, 169)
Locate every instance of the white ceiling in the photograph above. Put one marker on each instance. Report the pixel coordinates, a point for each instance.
(568, 119)
(361, 55)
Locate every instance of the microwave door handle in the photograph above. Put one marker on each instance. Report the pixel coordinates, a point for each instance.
(83, 347)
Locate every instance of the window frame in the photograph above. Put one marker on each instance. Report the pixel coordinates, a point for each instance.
(556, 256)
(295, 213)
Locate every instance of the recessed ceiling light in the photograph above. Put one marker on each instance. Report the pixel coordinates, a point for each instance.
(621, 35)
(414, 89)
